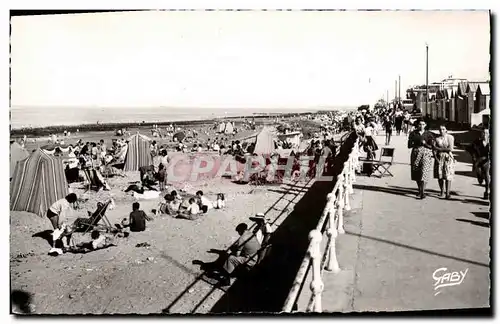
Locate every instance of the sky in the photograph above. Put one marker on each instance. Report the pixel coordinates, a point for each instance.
(239, 59)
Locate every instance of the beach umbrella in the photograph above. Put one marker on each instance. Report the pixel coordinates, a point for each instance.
(180, 136)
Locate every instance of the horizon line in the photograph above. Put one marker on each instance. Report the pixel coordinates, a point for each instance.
(183, 107)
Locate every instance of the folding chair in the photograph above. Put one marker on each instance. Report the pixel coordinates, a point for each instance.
(86, 224)
(93, 180)
(384, 163)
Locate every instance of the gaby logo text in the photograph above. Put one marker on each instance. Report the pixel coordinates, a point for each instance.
(444, 278)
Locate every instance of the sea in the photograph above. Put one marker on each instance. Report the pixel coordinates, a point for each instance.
(35, 117)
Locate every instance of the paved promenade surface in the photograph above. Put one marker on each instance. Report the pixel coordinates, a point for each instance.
(395, 242)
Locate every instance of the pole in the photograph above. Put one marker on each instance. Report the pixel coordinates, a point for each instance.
(387, 98)
(395, 91)
(426, 78)
(399, 89)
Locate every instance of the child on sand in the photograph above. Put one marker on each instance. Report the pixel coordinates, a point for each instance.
(191, 212)
(138, 218)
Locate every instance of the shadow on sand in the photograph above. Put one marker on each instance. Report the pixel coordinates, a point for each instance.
(46, 235)
(266, 287)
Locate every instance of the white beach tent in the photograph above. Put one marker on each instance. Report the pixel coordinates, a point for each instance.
(264, 141)
(229, 128)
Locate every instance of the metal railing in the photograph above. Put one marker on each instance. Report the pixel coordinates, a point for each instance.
(331, 222)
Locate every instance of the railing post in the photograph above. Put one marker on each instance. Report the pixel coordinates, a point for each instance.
(332, 265)
(317, 286)
(345, 183)
(351, 174)
(353, 166)
(340, 204)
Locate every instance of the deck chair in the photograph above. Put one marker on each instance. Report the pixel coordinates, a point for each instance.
(384, 163)
(86, 224)
(93, 180)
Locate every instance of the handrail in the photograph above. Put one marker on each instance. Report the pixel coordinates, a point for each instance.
(337, 201)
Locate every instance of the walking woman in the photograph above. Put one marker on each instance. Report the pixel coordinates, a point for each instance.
(388, 129)
(370, 147)
(421, 143)
(444, 163)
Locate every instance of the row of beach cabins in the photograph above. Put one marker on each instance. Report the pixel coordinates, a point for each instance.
(455, 100)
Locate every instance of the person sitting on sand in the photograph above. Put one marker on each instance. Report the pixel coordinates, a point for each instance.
(203, 202)
(173, 203)
(216, 147)
(137, 219)
(191, 212)
(149, 180)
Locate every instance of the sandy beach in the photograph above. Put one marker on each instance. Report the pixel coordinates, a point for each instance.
(151, 277)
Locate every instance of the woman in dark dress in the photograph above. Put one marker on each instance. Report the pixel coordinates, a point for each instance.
(421, 142)
(388, 129)
(398, 124)
(481, 159)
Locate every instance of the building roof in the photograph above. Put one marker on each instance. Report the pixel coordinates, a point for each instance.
(462, 88)
(484, 88)
(472, 86)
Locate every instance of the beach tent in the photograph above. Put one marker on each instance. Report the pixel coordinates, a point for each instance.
(17, 153)
(264, 143)
(51, 148)
(229, 128)
(138, 153)
(179, 136)
(37, 183)
(222, 126)
(144, 137)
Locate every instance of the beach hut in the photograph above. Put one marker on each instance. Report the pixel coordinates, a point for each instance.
(138, 153)
(17, 153)
(229, 128)
(37, 183)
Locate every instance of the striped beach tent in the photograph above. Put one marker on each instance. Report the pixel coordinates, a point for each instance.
(17, 153)
(138, 153)
(37, 183)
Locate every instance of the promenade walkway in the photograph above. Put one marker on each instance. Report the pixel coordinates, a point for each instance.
(395, 242)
